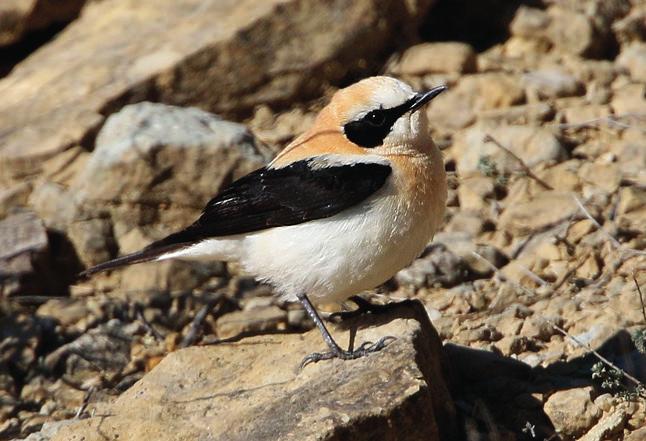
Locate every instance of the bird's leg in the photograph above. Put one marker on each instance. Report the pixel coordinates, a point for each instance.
(364, 307)
(335, 349)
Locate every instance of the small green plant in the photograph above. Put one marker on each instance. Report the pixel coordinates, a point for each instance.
(612, 382)
(488, 167)
(639, 339)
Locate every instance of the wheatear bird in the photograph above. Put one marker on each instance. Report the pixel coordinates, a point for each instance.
(339, 211)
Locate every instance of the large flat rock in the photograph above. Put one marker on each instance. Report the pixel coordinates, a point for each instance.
(222, 55)
(252, 390)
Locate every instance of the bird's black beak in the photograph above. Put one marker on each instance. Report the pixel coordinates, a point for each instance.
(422, 98)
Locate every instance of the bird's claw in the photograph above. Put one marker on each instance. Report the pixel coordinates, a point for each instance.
(363, 350)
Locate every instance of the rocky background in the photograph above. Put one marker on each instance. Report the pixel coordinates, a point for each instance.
(120, 118)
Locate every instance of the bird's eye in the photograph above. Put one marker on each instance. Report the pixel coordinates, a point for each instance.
(376, 118)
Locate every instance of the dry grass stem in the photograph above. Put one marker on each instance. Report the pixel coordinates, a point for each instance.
(525, 167)
(601, 358)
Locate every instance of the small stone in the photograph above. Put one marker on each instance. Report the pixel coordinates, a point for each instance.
(631, 199)
(476, 193)
(572, 411)
(633, 58)
(551, 83)
(258, 320)
(443, 57)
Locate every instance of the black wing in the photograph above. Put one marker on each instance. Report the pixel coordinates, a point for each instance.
(272, 197)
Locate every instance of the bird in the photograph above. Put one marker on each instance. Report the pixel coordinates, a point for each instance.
(340, 210)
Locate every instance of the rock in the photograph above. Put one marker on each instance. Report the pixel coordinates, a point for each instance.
(106, 348)
(584, 114)
(256, 320)
(253, 390)
(572, 411)
(575, 27)
(608, 425)
(158, 164)
(604, 176)
(547, 208)
(631, 199)
(534, 145)
(633, 59)
(630, 98)
(551, 83)
(632, 27)
(459, 106)
(437, 265)
(24, 255)
(449, 57)
(476, 193)
(119, 52)
(18, 17)
(12, 198)
(529, 22)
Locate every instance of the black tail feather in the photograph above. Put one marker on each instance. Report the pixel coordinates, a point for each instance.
(149, 253)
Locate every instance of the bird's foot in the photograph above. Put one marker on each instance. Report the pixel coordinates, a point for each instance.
(363, 350)
(364, 307)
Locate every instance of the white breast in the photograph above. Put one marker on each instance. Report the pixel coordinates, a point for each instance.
(332, 259)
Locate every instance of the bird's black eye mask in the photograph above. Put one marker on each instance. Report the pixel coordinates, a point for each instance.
(371, 129)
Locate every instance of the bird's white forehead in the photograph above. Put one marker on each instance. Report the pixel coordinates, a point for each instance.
(390, 92)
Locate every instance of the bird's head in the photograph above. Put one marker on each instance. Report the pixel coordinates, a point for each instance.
(381, 114)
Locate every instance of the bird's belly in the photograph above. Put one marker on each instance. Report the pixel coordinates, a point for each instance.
(332, 259)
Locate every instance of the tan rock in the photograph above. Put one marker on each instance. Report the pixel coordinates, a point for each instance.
(604, 176)
(545, 209)
(459, 106)
(256, 320)
(585, 114)
(632, 27)
(121, 51)
(630, 199)
(633, 58)
(448, 57)
(551, 83)
(252, 390)
(572, 411)
(475, 193)
(18, 17)
(533, 145)
(611, 423)
(630, 98)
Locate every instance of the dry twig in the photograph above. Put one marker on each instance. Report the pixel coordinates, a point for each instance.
(610, 120)
(525, 167)
(189, 339)
(641, 297)
(601, 358)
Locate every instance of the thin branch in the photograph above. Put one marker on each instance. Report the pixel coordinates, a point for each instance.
(641, 297)
(598, 355)
(191, 336)
(501, 275)
(525, 167)
(86, 401)
(587, 214)
(610, 120)
(149, 327)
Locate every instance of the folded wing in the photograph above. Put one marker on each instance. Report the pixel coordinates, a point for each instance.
(310, 189)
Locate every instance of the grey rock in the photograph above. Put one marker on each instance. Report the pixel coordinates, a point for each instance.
(154, 164)
(24, 251)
